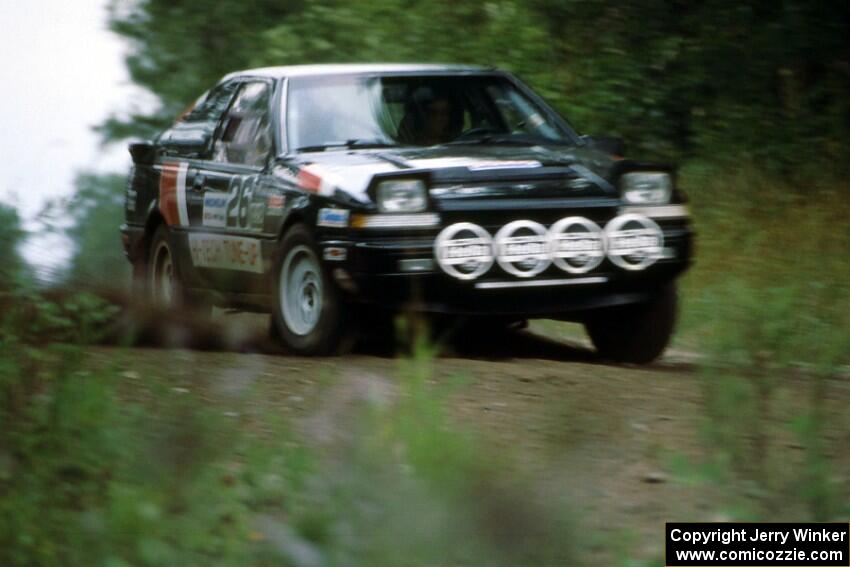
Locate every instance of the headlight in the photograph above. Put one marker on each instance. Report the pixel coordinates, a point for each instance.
(402, 196)
(646, 188)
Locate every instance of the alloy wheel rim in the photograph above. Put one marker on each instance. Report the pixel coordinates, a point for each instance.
(163, 277)
(300, 291)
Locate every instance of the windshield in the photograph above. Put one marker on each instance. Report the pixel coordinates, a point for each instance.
(415, 111)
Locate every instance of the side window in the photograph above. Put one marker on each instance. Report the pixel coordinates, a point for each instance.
(245, 136)
(193, 131)
(212, 105)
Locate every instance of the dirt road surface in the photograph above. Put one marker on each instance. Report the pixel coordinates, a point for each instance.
(602, 434)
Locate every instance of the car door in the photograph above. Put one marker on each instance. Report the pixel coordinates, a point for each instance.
(227, 221)
(184, 148)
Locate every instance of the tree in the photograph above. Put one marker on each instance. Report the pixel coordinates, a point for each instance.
(754, 81)
(96, 210)
(180, 48)
(12, 266)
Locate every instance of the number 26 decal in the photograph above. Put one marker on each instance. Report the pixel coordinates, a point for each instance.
(240, 192)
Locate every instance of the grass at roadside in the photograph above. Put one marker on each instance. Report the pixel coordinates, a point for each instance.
(768, 302)
(771, 253)
(101, 465)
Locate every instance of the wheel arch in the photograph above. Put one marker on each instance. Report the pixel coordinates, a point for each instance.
(300, 213)
(152, 222)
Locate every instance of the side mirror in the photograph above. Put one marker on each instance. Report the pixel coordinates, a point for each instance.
(608, 144)
(187, 139)
(144, 153)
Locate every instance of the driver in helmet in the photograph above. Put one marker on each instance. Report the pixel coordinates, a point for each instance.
(432, 116)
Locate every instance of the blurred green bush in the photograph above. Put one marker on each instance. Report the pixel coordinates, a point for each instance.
(100, 468)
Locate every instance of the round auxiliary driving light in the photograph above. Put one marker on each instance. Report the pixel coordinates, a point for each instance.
(634, 242)
(464, 250)
(576, 244)
(522, 248)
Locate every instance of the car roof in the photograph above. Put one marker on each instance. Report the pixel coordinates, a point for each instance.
(354, 69)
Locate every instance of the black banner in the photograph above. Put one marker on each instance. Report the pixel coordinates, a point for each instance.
(757, 544)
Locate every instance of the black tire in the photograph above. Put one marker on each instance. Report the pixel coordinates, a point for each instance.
(138, 278)
(161, 278)
(636, 334)
(306, 313)
(151, 278)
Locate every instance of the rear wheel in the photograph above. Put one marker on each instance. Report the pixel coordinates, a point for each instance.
(162, 281)
(635, 333)
(307, 315)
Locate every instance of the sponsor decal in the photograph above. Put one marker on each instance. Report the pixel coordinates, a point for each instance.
(437, 163)
(522, 248)
(506, 164)
(464, 250)
(576, 244)
(474, 164)
(337, 218)
(172, 194)
(256, 215)
(634, 242)
(275, 204)
(226, 252)
(215, 209)
(335, 253)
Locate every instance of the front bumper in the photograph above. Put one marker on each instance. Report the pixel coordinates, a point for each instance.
(400, 271)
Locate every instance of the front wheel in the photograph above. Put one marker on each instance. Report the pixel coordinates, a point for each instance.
(635, 334)
(306, 307)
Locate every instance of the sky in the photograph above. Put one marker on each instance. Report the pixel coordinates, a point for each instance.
(62, 73)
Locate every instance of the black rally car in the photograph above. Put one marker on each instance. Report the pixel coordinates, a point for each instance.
(313, 191)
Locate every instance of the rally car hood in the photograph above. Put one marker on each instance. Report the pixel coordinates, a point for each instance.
(460, 171)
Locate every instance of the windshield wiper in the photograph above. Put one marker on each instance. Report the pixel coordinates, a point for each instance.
(347, 144)
(510, 140)
(496, 139)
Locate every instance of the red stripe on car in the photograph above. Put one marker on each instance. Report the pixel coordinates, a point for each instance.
(309, 181)
(168, 194)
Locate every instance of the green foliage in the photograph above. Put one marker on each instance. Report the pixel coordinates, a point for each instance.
(77, 318)
(772, 454)
(95, 210)
(738, 82)
(767, 304)
(89, 478)
(182, 47)
(100, 468)
(90, 218)
(11, 236)
(771, 283)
